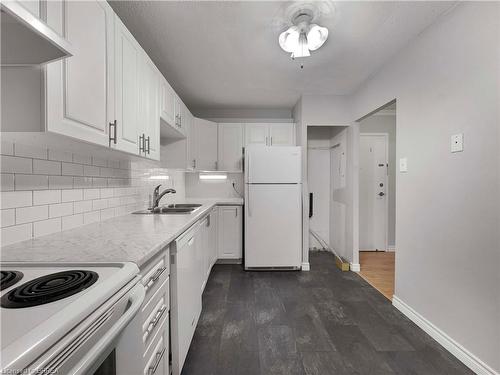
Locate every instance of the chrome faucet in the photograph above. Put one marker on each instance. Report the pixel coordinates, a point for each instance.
(157, 196)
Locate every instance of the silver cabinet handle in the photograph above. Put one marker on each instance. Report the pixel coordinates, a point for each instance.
(194, 163)
(271, 141)
(142, 143)
(154, 278)
(266, 142)
(159, 356)
(148, 150)
(216, 165)
(112, 138)
(154, 322)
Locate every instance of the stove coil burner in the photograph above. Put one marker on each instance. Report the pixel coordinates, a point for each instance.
(48, 288)
(9, 278)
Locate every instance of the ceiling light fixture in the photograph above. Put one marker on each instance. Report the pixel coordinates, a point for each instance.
(303, 36)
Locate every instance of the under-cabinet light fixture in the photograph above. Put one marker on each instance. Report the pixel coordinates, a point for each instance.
(213, 176)
(160, 177)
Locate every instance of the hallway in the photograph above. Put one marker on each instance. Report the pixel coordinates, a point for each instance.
(317, 323)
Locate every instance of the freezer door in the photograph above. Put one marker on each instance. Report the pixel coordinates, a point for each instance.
(275, 165)
(273, 225)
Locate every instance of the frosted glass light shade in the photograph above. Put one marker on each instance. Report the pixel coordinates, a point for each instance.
(316, 36)
(301, 50)
(289, 39)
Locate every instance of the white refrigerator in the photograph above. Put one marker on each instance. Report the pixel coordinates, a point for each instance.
(273, 207)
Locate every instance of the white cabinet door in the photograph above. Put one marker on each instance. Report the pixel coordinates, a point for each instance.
(282, 134)
(127, 64)
(213, 227)
(256, 134)
(168, 103)
(230, 232)
(80, 89)
(149, 108)
(206, 133)
(230, 147)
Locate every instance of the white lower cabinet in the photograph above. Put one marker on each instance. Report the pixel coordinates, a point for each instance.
(230, 232)
(144, 346)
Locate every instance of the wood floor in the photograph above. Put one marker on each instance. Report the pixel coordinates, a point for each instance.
(377, 267)
(320, 322)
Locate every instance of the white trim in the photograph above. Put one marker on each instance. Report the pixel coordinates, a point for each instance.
(461, 353)
(391, 248)
(306, 266)
(355, 267)
(385, 112)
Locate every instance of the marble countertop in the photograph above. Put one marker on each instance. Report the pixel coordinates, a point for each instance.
(134, 238)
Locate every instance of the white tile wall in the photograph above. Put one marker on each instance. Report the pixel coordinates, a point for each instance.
(45, 191)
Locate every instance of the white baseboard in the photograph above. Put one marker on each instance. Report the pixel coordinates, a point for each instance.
(355, 267)
(391, 248)
(466, 357)
(306, 266)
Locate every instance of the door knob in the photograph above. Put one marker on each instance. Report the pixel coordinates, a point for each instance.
(381, 194)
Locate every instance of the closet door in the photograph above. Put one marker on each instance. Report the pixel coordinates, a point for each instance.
(80, 89)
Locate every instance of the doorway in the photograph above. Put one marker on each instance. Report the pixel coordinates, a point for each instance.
(377, 197)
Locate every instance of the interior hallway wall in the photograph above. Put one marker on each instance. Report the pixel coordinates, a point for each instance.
(318, 178)
(386, 123)
(447, 81)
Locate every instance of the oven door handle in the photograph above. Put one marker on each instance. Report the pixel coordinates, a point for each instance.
(135, 298)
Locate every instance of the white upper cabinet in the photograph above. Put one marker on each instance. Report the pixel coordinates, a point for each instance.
(273, 134)
(206, 133)
(149, 114)
(230, 147)
(281, 134)
(168, 103)
(80, 89)
(256, 134)
(127, 63)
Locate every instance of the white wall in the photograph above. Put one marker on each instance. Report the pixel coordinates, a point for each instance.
(447, 209)
(386, 123)
(318, 178)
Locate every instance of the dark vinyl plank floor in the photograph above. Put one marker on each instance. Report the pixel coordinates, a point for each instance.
(315, 323)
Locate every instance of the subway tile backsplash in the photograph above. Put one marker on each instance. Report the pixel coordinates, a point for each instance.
(45, 191)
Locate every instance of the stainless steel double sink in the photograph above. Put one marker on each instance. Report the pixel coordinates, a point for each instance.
(171, 209)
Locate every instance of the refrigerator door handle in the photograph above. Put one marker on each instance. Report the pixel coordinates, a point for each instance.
(248, 201)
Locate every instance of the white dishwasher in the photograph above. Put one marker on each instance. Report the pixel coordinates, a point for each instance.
(186, 294)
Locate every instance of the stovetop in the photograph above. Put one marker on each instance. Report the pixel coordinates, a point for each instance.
(41, 302)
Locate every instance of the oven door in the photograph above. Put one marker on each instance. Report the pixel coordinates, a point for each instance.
(89, 348)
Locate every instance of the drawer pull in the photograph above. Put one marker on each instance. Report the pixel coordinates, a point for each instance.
(152, 369)
(155, 277)
(154, 322)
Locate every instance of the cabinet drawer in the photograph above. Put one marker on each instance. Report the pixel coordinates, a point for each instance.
(156, 274)
(154, 312)
(156, 357)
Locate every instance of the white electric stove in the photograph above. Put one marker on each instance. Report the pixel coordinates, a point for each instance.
(65, 318)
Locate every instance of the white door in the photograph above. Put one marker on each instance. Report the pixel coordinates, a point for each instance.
(230, 147)
(256, 134)
(273, 225)
(282, 134)
(206, 132)
(80, 89)
(373, 209)
(230, 232)
(127, 55)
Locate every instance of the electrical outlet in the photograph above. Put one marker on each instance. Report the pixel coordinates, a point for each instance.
(457, 142)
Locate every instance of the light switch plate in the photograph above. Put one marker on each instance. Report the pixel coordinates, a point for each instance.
(403, 165)
(457, 142)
